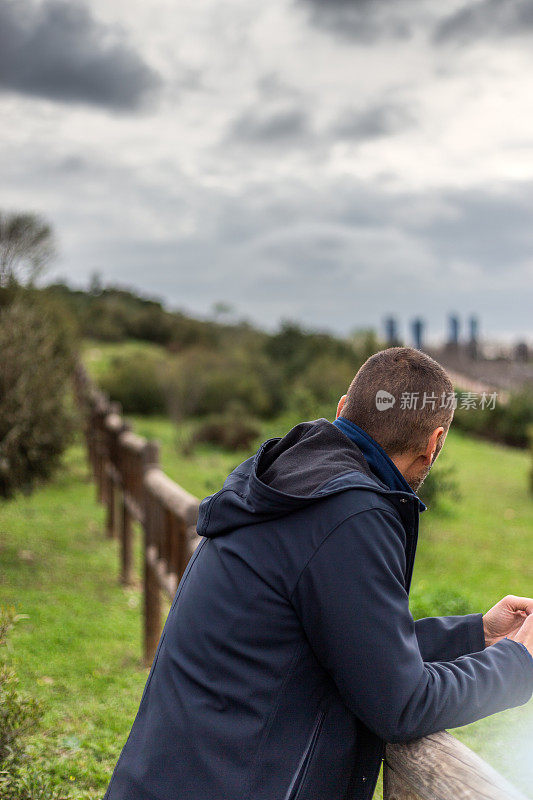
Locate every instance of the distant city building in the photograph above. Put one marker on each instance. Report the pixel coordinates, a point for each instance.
(391, 332)
(473, 343)
(521, 352)
(453, 332)
(417, 327)
(454, 326)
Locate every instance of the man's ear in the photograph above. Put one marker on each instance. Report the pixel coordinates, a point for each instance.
(433, 443)
(340, 405)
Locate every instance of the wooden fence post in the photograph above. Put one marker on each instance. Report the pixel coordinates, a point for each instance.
(113, 427)
(91, 434)
(100, 450)
(126, 529)
(152, 597)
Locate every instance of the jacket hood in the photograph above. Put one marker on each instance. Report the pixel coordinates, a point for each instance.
(313, 460)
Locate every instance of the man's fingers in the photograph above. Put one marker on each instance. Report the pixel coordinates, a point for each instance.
(527, 625)
(515, 603)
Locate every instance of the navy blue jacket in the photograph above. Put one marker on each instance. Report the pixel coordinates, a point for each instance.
(289, 655)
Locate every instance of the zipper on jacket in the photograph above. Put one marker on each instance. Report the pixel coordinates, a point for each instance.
(303, 766)
(410, 553)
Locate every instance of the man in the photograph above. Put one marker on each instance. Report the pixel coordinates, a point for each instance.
(289, 656)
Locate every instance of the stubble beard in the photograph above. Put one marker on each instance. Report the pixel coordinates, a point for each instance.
(416, 481)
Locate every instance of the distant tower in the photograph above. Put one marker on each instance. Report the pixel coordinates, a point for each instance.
(521, 352)
(417, 327)
(453, 331)
(473, 342)
(391, 332)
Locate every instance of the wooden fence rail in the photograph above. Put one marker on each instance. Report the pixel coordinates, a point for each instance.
(440, 767)
(133, 488)
(131, 484)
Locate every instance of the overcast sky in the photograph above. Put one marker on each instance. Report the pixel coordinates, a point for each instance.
(329, 161)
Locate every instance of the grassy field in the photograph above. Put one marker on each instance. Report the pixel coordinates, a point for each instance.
(79, 649)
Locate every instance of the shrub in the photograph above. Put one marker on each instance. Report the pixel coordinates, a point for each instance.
(19, 716)
(36, 422)
(303, 404)
(515, 417)
(507, 423)
(232, 430)
(316, 368)
(137, 383)
(294, 348)
(204, 382)
(326, 379)
(115, 314)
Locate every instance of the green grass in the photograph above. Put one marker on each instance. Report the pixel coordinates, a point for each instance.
(79, 651)
(483, 547)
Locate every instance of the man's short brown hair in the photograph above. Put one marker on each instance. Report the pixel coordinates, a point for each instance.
(423, 399)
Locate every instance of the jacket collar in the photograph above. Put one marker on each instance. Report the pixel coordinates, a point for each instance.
(379, 462)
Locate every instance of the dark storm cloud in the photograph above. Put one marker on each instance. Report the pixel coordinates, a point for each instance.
(58, 50)
(278, 116)
(358, 224)
(373, 122)
(486, 19)
(364, 20)
(260, 126)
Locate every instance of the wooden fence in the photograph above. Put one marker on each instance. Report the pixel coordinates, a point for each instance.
(133, 488)
(131, 484)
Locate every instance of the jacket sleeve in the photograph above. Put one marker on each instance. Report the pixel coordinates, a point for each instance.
(446, 638)
(352, 603)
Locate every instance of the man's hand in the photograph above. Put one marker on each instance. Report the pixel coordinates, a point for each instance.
(525, 634)
(506, 618)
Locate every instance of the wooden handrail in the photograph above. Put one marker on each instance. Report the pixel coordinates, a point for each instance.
(440, 767)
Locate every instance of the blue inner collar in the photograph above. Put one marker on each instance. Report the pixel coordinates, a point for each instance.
(378, 460)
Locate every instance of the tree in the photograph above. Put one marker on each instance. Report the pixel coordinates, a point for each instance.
(96, 286)
(36, 421)
(221, 310)
(26, 247)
